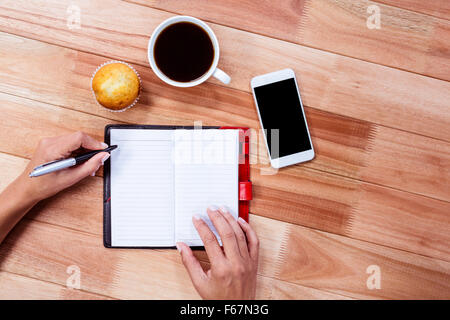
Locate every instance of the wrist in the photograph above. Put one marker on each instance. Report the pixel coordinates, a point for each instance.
(24, 192)
(14, 204)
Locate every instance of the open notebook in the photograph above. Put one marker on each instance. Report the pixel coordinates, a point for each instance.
(158, 179)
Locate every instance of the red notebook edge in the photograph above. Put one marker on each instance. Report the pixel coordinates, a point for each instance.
(245, 185)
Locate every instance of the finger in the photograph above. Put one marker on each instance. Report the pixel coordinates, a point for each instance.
(226, 233)
(79, 139)
(240, 236)
(209, 240)
(192, 265)
(252, 239)
(91, 166)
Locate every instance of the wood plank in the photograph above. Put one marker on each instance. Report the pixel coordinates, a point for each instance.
(17, 287)
(282, 290)
(436, 8)
(338, 26)
(79, 210)
(45, 251)
(296, 194)
(344, 146)
(43, 248)
(328, 81)
(317, 262)
(292, 245)
(124, 274)
(355, 209)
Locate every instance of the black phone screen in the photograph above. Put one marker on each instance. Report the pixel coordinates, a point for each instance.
(282, 118)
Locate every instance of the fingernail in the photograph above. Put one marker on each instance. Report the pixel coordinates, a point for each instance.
(242, 220)
(179, 247)
(105, 158)
(223, 209)
(213, 208)
(104, 145)
(93, 174)
(197, 217)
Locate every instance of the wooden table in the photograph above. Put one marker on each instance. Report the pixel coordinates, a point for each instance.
(377, 195)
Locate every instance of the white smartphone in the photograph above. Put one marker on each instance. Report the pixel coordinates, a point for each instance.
(282, 118)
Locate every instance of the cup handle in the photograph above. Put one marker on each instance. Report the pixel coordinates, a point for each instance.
(222, 76)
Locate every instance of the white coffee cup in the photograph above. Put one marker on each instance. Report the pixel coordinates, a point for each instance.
(213, 70)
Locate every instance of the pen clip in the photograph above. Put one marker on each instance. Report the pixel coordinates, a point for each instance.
(46, 164)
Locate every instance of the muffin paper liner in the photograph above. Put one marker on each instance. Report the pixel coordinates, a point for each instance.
(140, 86)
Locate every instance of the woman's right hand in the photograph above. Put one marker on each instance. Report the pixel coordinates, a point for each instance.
(233, 271)
(55, 148)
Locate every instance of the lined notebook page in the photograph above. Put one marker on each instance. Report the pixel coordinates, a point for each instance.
(142, 189)
(206, 173)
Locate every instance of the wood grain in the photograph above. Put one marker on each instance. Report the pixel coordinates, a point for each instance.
(17, 287)
(436, 8)
(344, 146)
(321, 265)
(377, 104)
(84, 228)
(124, 274)
(316, 255)
(296, 194)
(328, 81)
(338, 26)
(363, 211)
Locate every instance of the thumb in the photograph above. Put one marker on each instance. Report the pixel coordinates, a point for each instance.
(91, 166)
(192, 265)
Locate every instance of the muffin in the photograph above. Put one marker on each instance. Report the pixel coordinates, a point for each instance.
(116, 86)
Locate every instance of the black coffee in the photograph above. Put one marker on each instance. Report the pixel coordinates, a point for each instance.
(183, 52)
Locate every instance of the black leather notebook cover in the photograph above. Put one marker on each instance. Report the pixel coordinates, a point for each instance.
(107, 184)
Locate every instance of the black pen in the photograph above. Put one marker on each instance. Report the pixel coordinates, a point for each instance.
(66, 163)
